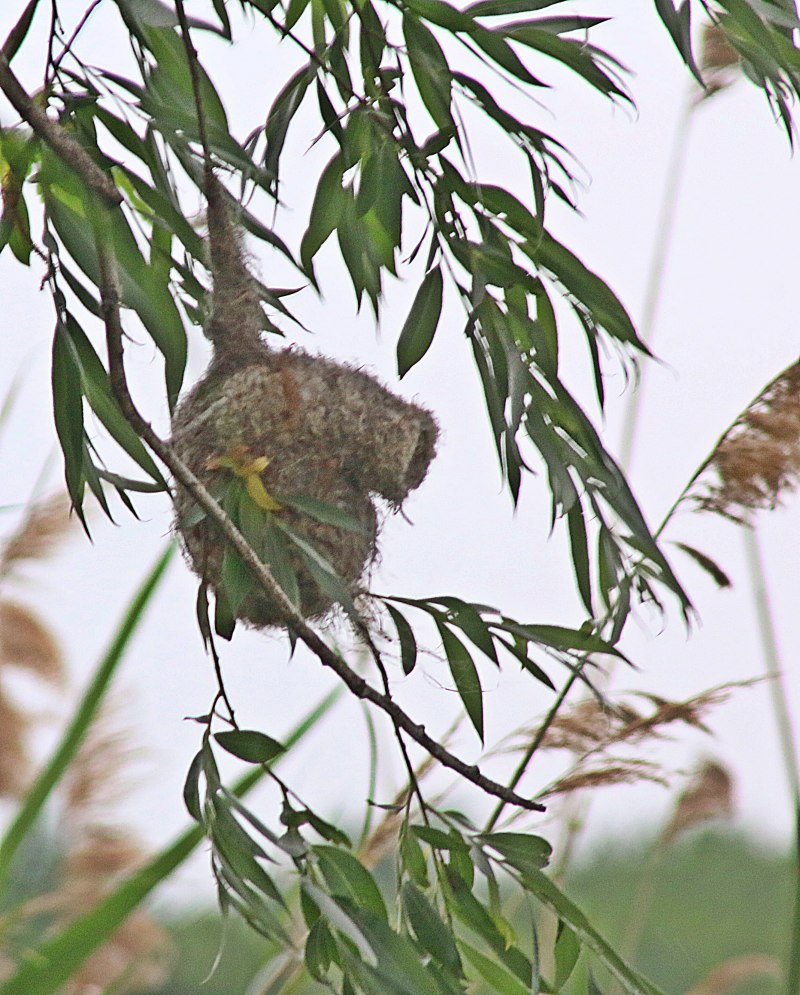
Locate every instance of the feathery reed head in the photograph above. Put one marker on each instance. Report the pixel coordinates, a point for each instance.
(757, 461)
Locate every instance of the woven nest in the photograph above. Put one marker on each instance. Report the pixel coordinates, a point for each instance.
(331, 433)
(326, 432)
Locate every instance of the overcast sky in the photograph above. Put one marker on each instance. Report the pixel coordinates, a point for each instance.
(727, 323)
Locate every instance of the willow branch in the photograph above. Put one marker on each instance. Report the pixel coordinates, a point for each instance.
(290, 616)
(94, 177)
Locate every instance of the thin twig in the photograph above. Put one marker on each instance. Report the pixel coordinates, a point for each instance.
(535, 743)
(67, 45)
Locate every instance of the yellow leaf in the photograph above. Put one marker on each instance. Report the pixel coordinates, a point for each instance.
(259, 493)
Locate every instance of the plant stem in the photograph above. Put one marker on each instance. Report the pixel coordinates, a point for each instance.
(783, 723)
(655, 278)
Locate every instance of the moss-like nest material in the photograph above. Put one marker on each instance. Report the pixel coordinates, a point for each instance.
(331, 433)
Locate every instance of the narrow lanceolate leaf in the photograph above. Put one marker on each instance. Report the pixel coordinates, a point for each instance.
(430, 70)
(580, 554)
(68, 412)
(97, 387)
(326, 211)
(347, 878)
(141, 288)
(420, 326)
(465, 675)
(325, 512)
(717, 574)
(584, 286)
(550, 895)
(408, 643)
(520, 850)
(429, 929)
(250, 745)
(678, 21)
(237, 580)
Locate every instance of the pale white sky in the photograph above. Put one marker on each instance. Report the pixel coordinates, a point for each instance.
(726, 325)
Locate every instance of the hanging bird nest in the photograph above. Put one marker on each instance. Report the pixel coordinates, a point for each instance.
(296, 447)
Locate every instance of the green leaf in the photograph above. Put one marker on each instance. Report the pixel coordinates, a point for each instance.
(439, 839)
(521, 850)
(679, 24)
(442, 13)
(321, 950)
(502, 981)
(326, 211)
(430, 70)
(567, 951)
(19, 32)
(323, 573)
(250, 745)
(560, 637)
(717, 574)
(224, 619)
(473, 914)
(73, 215)
(237, 581)
(579, 56)
(579, 548)
(429, 929)
(68, 412)
(97, 388)
(498, 8)
(586, 287)
(280, 116)
(191, 788)
(468, 618)
(408, 642)
(398, 966)
(324, 511)
(420, 325)
(551, 896)
(412, 858)
(240, 851)
(499, 50)
(276, 556)
(465, 676)
(347, 878)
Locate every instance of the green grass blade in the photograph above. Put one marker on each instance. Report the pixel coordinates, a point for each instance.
(87, 709)
(49, 966)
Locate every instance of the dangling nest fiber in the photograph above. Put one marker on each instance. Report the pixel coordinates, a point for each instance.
(328, 432)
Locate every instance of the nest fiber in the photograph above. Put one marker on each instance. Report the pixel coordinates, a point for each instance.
(330, 433)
